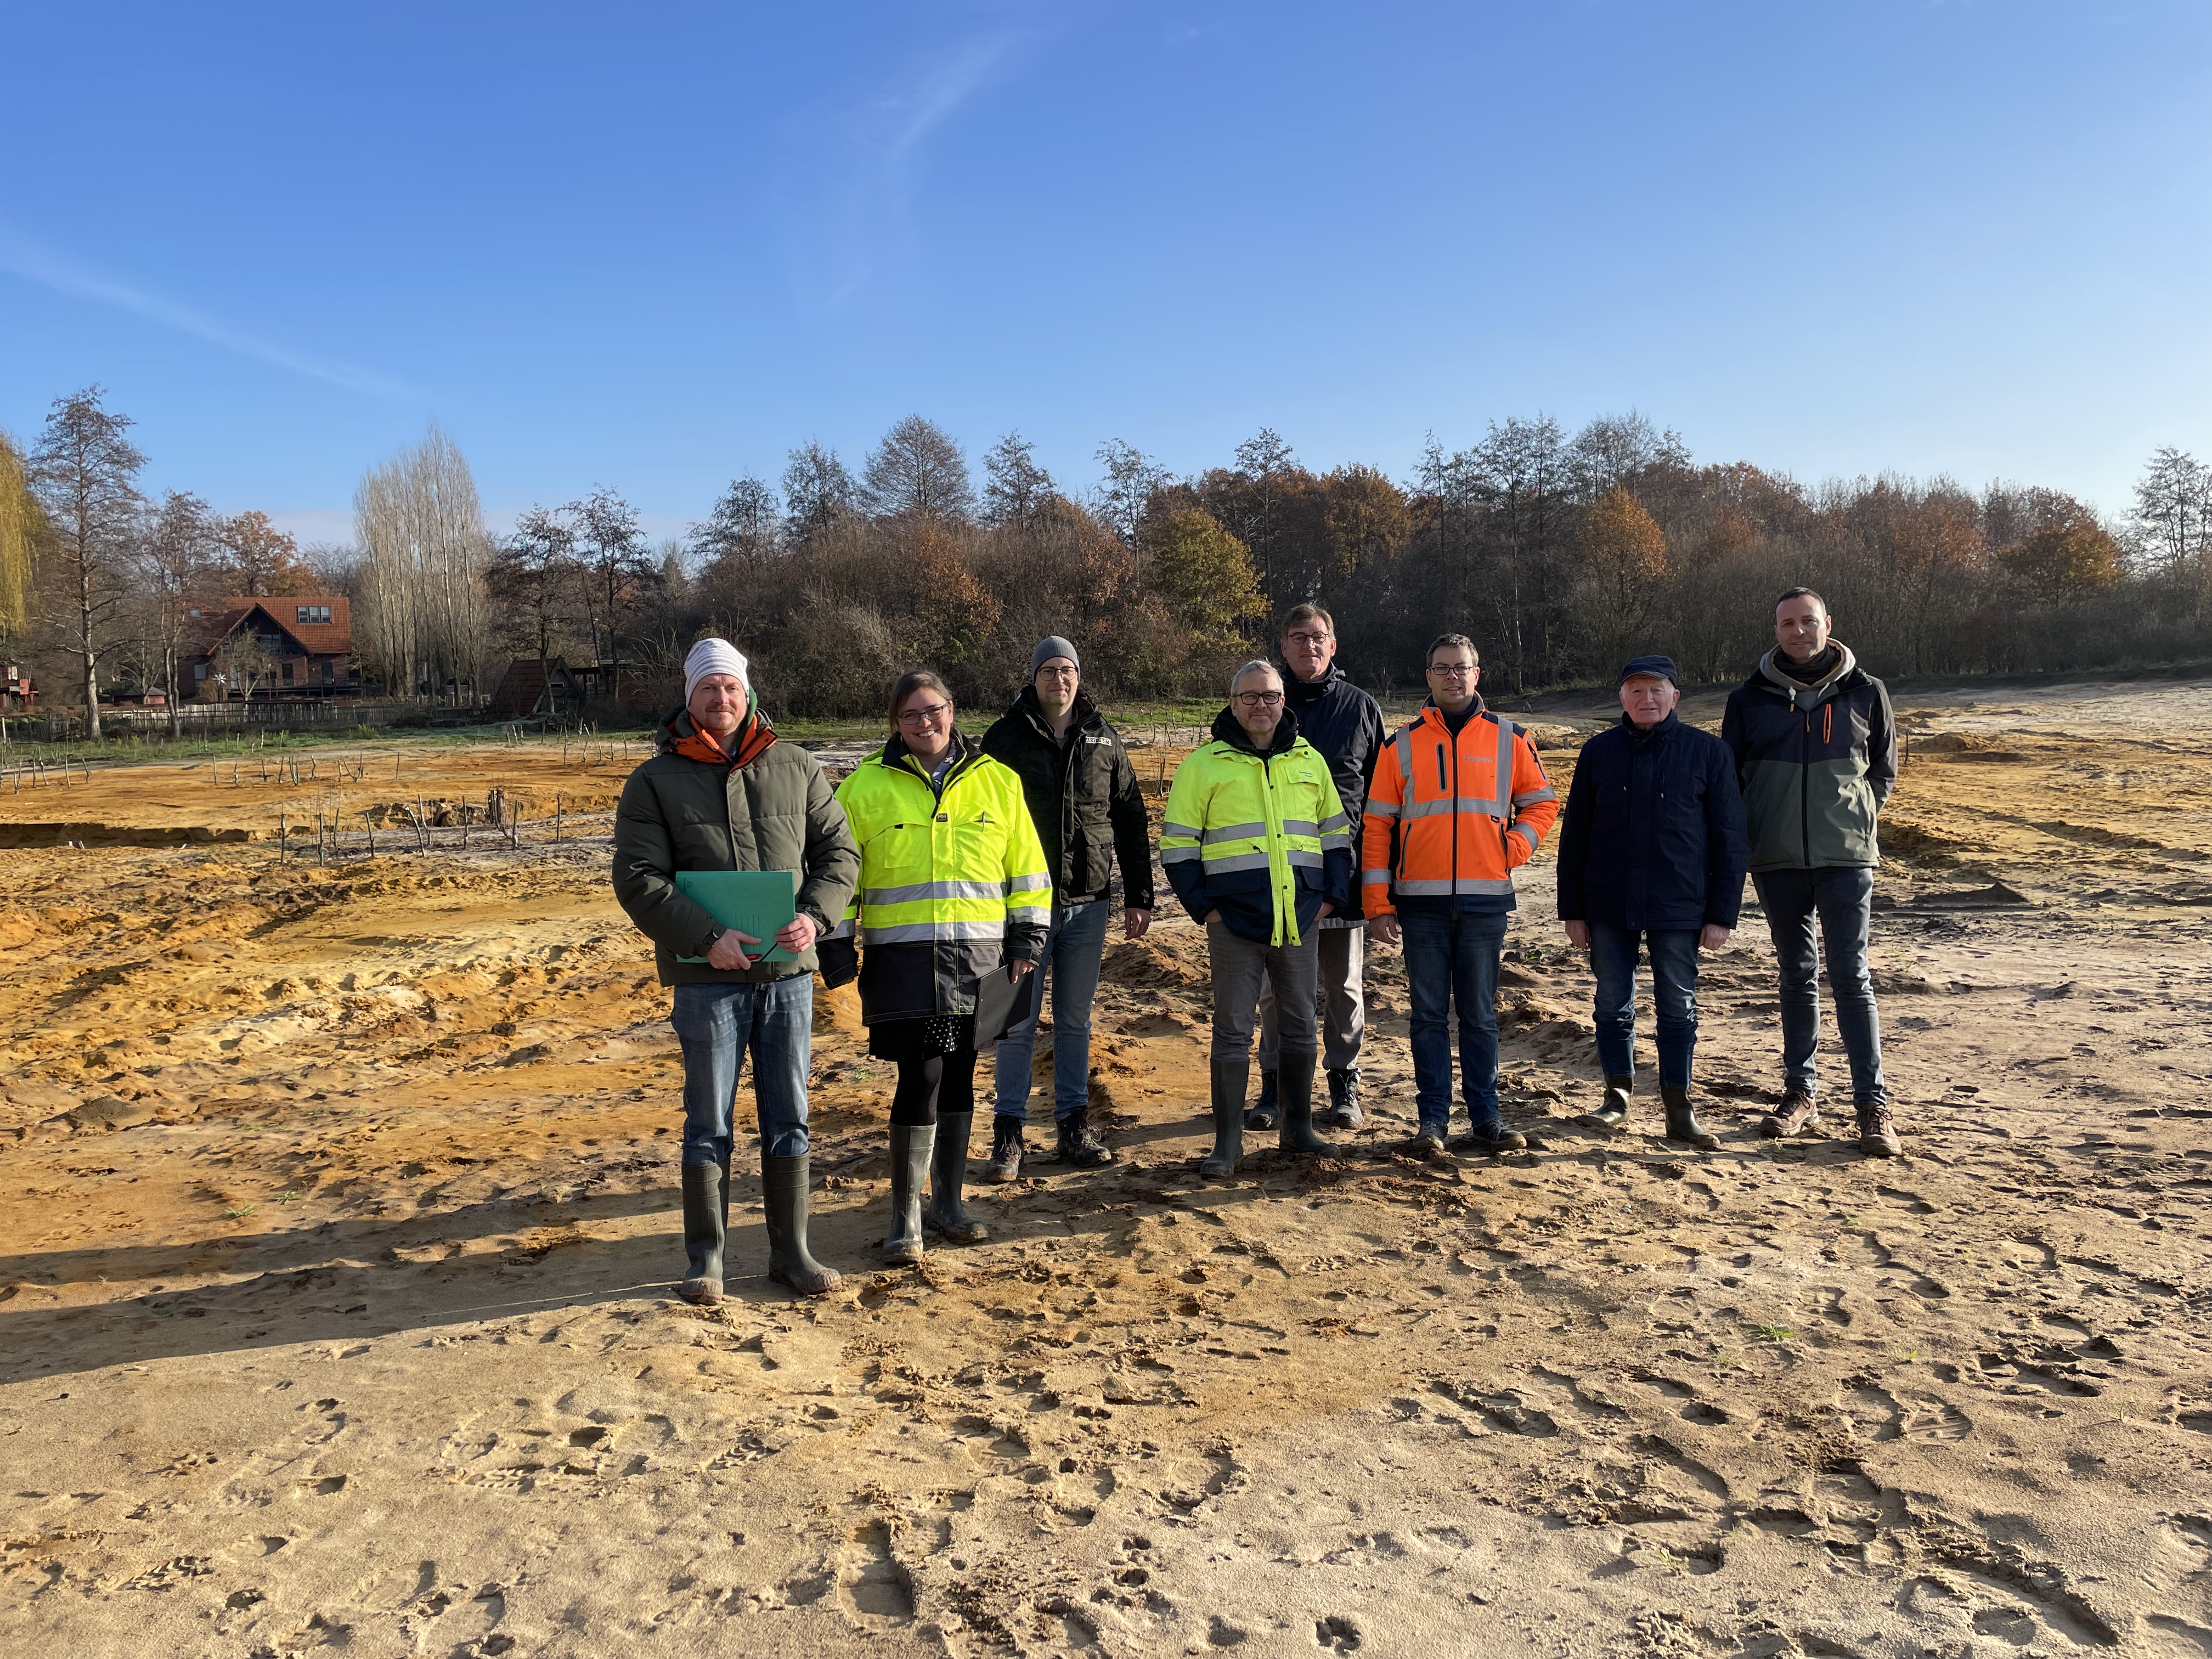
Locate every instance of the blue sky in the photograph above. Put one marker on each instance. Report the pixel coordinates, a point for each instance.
(654, 246)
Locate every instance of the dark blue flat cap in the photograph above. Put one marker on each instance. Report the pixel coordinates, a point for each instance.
(1663, 667)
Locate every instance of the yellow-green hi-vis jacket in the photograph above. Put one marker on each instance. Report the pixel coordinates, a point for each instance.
(953, 880)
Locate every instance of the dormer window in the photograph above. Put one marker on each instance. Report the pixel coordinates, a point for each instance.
(312, 613)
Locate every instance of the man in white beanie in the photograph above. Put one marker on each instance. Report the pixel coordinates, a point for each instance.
(723, 793)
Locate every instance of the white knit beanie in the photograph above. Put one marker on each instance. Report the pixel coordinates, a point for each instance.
(712, 656)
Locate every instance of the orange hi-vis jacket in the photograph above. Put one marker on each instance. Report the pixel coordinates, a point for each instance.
(1449, 819)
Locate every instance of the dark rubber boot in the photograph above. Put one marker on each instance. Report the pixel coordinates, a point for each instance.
(705, 1189)
(1682, 1123)
(948, 1173)
(1078, 1145)
(783, 1194)
(1268, 1108)
(1297, 1135)
(1230, 1076)
(1006, 1151)
(1797, 1113)
(1343, 1111)
(1492, 1138)
(911, 1144)
(1612, 1113)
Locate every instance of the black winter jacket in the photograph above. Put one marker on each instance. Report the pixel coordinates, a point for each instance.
(1083, 797)
(1816, 763)
(1654, 834)
(1346, 724)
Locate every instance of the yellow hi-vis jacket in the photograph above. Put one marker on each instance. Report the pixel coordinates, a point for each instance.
(956, 867)
(1261, 838)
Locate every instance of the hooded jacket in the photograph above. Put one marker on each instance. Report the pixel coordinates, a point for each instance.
(1816, 763)
(1257, 835)
(758, 804)
(1083, 797)
(1653, 837)
(952, 881)
(1346, 724)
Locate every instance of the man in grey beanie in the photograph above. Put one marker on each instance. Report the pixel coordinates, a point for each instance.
(1082, 793)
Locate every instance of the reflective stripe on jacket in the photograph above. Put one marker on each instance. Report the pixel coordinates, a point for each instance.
(955, 869)
(1452, 817)
(1262, 838)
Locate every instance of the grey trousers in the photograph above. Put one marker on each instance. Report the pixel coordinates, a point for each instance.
(1342, 1001)
(1242, 973)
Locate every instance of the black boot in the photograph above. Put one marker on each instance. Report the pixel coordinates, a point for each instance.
(911, 1144)
(783, 1192)
(1297, 1134)
(1006, 1150)
(1230, 1076)
(1265, 1110)
(1078, 1145)
(1682, 1123)
(705, 1225)
(948, 1173)
(1490, 1137)
(1343, 1111)
(1613, 1111)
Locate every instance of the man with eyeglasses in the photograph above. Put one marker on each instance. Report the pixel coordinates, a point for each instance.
(1345, 726)
(1255, 846)
(1460, 801)
(1082, 793)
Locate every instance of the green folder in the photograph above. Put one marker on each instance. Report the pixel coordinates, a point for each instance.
(761, 902)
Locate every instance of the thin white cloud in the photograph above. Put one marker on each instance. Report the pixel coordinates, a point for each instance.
(22, 256)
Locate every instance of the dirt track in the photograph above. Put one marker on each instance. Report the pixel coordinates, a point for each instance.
(340, 1203)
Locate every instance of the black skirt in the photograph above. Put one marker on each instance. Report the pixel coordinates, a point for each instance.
(904, 1040)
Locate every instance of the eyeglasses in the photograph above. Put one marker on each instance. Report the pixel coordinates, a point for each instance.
(1305, 639)
(928, 716)
(1452, 671)
(1055, 673)
(1259, 699)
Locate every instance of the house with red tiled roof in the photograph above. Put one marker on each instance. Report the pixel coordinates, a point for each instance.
(290, 645)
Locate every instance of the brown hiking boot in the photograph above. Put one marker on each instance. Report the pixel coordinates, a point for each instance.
(1877, 1131)
(1797, 1115)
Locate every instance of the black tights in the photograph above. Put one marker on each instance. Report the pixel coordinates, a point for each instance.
(943, 1083)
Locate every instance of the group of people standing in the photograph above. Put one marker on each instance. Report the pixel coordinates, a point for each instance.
(1301, 831)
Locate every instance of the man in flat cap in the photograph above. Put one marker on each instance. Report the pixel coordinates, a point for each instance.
(1652, 858)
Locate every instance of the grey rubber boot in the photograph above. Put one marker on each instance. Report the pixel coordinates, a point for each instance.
(911, 1144)
(1297, 1134)
(706, 1188)
(948, 1173)
(1267, 1108)
(1230, 1076)
(1613, 1111)
(1343, 1110)
(1682, 1123)
(783, 1192)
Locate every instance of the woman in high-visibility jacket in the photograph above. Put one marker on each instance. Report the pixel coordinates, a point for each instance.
(1256, 847)
(953, 885)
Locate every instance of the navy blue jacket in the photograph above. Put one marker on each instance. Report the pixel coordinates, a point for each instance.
(1346, 724)
(1654, 836)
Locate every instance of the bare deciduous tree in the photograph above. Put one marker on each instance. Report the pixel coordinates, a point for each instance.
(86, 473)
(178, 549)
(918, 472)
(424, 551)
(1017, 488)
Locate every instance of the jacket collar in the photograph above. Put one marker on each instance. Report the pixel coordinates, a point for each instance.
(1226, 730)
(900, 758)
(1306, 692)
(682, 736)
(1435, 716)
(1800, 695)
(1665, 728)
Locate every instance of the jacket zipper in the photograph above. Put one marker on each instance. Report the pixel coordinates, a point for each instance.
(1452, 738)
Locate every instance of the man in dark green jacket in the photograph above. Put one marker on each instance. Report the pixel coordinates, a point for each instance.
(723, 794)
(1083, 795)
(1815, 751)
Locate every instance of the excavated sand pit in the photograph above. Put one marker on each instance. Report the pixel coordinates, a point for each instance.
(341, 1209)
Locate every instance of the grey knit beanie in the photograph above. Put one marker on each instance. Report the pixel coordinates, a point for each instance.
(1050, 646)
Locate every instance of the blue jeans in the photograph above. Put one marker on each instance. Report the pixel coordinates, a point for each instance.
(1673, 996)
(1843, 899)
(1451, 957)
(1073, 950)
(716, 1024)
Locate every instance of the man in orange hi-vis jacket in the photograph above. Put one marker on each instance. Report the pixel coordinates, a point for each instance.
(1458, 802)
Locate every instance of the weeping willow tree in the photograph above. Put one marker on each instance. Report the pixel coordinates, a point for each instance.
(19, 523)
(423, 611)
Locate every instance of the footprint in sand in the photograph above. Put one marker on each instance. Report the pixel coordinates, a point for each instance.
(874, 1591)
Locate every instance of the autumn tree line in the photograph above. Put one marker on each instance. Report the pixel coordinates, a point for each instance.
(1562, 554)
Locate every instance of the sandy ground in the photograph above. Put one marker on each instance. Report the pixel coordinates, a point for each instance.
(340, 1212)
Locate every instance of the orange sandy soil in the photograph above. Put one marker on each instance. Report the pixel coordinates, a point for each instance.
(341, 1218)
